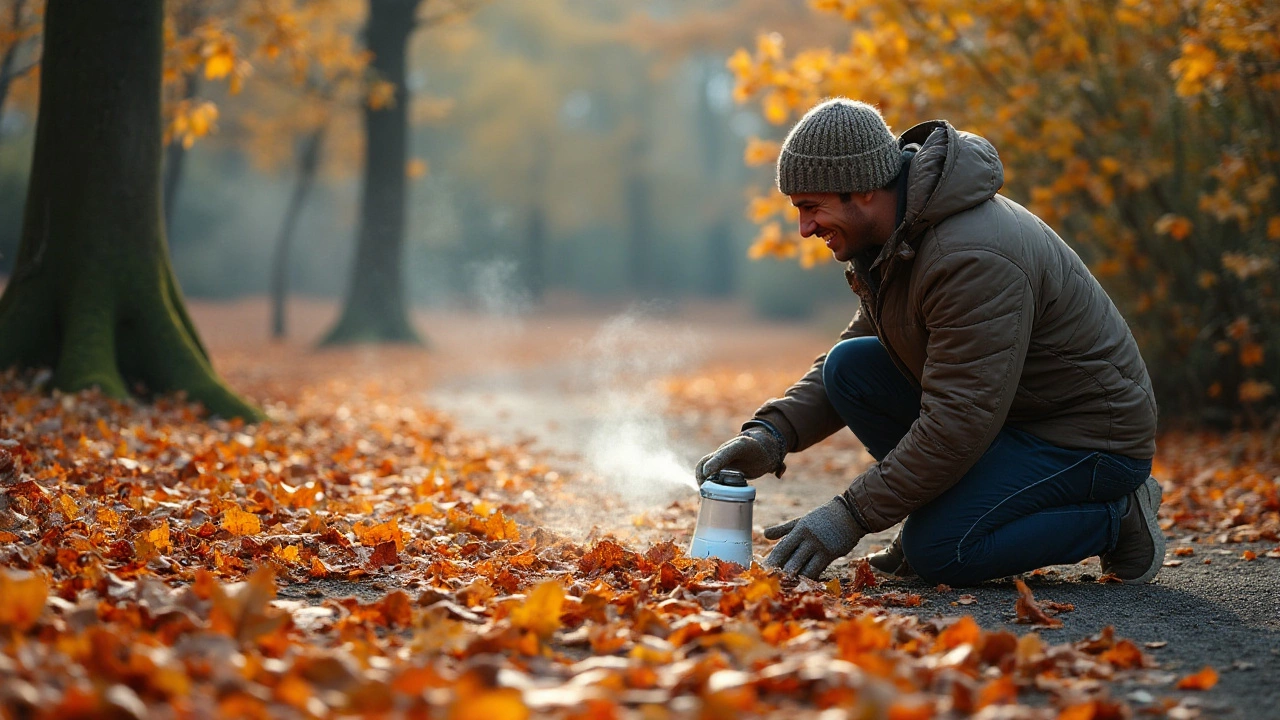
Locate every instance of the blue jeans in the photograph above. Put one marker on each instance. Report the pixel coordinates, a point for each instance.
(1024, 504)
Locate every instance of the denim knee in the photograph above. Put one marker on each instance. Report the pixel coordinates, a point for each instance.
(840, 369)
(931, 554)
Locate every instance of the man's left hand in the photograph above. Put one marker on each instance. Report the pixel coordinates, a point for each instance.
(812, 542)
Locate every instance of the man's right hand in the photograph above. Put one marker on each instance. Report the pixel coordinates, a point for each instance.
(754, 452)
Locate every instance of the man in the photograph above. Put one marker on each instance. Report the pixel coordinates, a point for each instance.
(990, 376)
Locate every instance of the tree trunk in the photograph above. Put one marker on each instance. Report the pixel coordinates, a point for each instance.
(308, 162)
(374, 310)
(93, 293)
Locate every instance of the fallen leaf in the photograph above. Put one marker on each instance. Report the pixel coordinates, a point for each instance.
(22, 598)
(1028, 611)
(1203, 680)
(540, 612)
(239, 522)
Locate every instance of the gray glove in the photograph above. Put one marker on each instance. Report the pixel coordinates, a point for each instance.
(754, 452)
(811, 543)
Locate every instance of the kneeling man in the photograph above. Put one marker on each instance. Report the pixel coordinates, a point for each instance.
(987, 372)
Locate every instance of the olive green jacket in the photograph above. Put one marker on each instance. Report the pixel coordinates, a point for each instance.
(997, 321)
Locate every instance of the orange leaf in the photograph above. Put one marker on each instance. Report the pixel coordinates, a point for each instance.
(239, 522)
(962, 632)
(540, 612)
(489, 704)
(1028, 611)
(375, 535)
(1203, 680)
(1001, 690)
(243, 610)
(1125, 655)
(910, 711)
(22, 599)
(384, 554)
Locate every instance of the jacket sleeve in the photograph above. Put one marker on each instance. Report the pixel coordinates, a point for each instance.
(803, 414)
(978, 310)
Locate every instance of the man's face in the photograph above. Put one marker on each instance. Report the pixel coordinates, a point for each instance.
(845, 227)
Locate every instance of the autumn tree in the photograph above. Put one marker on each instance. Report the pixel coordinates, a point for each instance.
(375, 306)
(93, 294)
(1143, 130)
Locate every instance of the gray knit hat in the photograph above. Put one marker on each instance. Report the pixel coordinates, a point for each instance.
(840, 145)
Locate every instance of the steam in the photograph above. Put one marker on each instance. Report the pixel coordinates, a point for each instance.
(497, 292)
(630, 444)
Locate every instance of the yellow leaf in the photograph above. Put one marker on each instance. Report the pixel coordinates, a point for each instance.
(775, 108)
(540, 612)
(159, 536)
(372, 536)
(288, 553)
(67, 506)
(1273, 228)
(22, 599)
(476, 702)
(762, 152)
(219, 64)
(239, 522)
(382, 95)
(415, 168)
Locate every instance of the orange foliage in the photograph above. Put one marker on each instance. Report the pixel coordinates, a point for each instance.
(189, 549)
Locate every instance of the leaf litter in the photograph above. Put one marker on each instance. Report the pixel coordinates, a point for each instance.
(378, 561)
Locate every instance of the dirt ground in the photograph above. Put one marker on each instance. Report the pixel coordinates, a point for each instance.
(590, 388)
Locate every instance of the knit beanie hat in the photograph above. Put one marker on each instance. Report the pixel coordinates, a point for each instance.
(840, 146)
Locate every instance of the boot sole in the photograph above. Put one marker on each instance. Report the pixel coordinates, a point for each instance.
(1149, 497)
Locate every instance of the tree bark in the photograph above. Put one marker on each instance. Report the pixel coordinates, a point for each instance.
(93, 293)
(308, 163)
(375, 309)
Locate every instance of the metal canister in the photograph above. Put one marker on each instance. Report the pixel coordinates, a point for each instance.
(724, 519)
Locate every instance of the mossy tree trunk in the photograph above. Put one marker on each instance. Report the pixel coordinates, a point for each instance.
(375, 308)
(93, 293)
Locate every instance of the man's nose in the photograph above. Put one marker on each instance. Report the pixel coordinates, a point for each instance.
(807, 227)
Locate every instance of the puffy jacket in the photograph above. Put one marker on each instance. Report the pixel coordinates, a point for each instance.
(995, 318)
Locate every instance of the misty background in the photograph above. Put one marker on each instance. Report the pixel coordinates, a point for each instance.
(590, 149)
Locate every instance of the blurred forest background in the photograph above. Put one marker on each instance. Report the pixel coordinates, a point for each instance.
(607, 149)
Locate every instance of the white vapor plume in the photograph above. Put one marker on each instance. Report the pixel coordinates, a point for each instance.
(630, 443)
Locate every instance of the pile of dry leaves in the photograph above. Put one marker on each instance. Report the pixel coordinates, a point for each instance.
(366, 558)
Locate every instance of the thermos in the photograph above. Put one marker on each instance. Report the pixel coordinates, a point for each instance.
(724, 519)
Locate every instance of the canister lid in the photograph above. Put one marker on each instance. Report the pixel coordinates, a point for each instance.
(715, 491)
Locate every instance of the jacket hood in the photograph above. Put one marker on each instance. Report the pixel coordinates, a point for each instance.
(951, 172)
